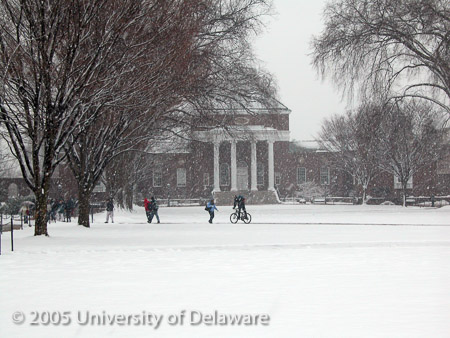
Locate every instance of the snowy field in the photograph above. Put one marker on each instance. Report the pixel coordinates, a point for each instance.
(295, 271)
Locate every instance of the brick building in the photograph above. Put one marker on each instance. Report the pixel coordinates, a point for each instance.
(254, 157)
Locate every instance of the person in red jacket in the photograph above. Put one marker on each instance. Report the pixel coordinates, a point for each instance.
(148, 209)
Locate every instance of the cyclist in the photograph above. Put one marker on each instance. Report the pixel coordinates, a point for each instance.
(239, 202)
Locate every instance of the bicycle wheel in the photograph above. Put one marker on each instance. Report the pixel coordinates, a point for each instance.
(248, 219)
(233, 218)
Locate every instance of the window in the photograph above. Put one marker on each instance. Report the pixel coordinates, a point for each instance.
(398, 183)
(259, 174)
(181, 177)
(301, 175)
(324, 175)
(100, 187)
(13, 190)
(277, 178)
(206, 179)
(443, 165)
(157, 178)
(224, 174)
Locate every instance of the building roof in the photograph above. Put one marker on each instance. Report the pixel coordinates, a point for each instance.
(169, 145)
(305, 146)
(242, 133)
(254, 107)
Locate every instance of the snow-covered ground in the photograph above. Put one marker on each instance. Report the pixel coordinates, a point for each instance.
(306, 270)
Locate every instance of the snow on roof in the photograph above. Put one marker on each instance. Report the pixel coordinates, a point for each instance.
(171, 145)
(255, 107)
(308, 145)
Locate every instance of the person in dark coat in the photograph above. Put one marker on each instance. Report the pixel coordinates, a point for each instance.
(239, 202)
(54, 210)
(70, 206)
(211, 207)
(110, 210)
(154, 209)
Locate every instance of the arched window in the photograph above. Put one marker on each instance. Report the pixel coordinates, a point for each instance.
(260, 173)
(205, 180)
(277, 178)
(224, 174)
(242, 175)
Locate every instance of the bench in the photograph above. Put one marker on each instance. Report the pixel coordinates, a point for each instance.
(410, 201)
(7, 227)
(334, 200)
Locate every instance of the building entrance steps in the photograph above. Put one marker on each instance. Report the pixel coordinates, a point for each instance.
(252, 197)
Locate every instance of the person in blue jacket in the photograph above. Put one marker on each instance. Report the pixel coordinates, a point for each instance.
(211, 207)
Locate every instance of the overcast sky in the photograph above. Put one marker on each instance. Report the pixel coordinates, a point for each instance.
(283, 49)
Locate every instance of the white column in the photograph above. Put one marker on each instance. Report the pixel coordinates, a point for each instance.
(271, 169)
(233, 166)
(216, 167)
(253, 171)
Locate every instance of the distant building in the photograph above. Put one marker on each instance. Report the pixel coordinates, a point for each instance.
(250, 154)
(254, 157)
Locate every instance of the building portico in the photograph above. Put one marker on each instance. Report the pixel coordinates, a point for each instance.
(248, 136)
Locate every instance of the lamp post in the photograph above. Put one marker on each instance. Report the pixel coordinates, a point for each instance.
(59, 190)
(168, 194)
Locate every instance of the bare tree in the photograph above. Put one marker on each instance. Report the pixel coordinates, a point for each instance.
(123, 174)
(95, 147)
(158, 56)
(352, 142)
(59, 68)
(197, 61)
(230, 79)
(409, 140)
(399, 46)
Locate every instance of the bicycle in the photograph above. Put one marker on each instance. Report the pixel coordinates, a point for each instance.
(234, 217)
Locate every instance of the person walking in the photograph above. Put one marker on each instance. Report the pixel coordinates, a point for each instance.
(61, 210)
(70, 206)
(24, 211)
(110, 210)
(54, 210)
(211, 207)
(148, 210)
(154, 209)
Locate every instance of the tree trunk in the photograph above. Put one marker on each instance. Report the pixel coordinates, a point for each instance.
(364, 196)
(119, 199)
(40, 226)
(404, 193)
(129, 197)
(84, 198)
